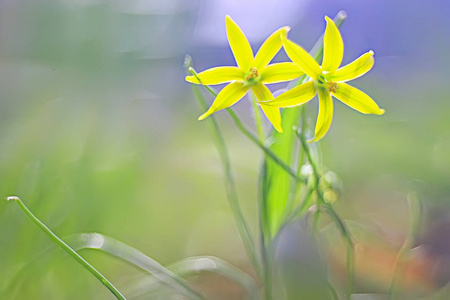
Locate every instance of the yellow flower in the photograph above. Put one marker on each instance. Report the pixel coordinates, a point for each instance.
(251, 73)
(327, 80)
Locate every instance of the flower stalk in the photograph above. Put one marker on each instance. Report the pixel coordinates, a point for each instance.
(325, 207)
(251, 136)
(251, 74)
(240, 220)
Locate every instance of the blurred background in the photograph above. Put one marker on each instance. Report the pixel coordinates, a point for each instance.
(99, 133)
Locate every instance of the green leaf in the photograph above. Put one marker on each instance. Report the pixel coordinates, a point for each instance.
(276, 182)
(134, 257)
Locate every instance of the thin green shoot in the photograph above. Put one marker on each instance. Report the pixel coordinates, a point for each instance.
(267, 251)
(193, 266)
(328, 208)
(232, 196)
(67, 248)
(252, 137)
(135, 257)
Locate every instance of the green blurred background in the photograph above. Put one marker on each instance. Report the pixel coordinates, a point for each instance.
(99, 131)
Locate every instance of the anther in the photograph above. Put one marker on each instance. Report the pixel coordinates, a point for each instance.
(332, 87)
(252, 74)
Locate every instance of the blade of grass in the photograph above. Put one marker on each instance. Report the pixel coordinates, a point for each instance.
(134, 257)
(241, 223)
(196, 265)
(266, 256)
(67, 248)
(415, 212)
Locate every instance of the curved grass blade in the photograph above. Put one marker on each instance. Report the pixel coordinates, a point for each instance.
(195, 265)
(176, 271)
(134, 257)
(67, 248)
(415, 215)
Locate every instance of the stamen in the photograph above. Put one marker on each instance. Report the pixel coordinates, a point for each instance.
(332, 87)
(252, 74)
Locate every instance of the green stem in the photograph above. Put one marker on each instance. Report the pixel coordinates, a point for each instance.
(345, 233)
(250, 135)
(266, 249)
(67, 248)
(242, 225)
(265, 238)
(326, 207)
(332, 291)
(304, 202)
(297, 186)
(311, 161)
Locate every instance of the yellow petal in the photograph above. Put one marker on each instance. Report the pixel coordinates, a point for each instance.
(325, 115)
(242, 51)
(356, 69)
(217, 76)
(294, 97)
(302, 58)
(228, 96)
(333, 47)
(262, 93)
(280, 72)
(270, 47)
(274, 116)
(357, 99)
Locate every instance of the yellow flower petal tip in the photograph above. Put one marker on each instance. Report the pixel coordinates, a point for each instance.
(190, 79)
(382, 111)
(313, 140)
(229, 19)
(204, 116)
(371, 52)
(285, 29)
(252, 72)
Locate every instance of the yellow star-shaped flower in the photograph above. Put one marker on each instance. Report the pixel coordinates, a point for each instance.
(327, 80)
(251, 73)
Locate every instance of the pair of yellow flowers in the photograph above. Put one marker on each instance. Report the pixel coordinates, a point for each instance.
(253, 72)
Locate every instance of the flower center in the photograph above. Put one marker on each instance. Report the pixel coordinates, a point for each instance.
(330, 86)
(252, 76)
